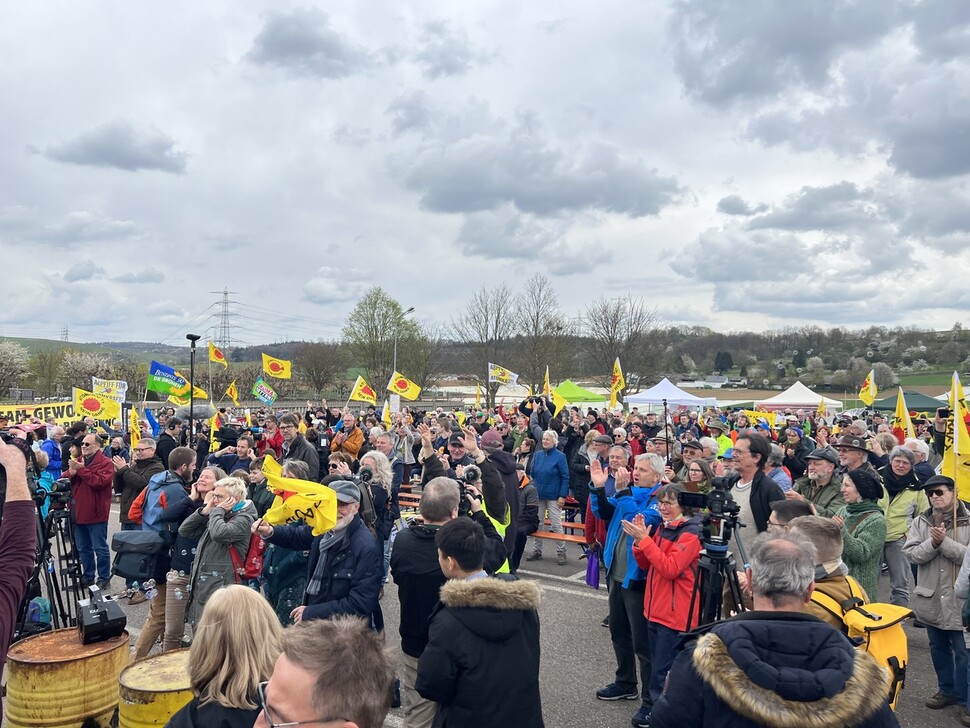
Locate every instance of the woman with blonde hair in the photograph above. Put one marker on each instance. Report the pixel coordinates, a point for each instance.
(235, 647)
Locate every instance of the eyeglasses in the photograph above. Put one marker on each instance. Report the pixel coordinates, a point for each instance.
(143, 449)
(270, 718)
(287, 427)
(937, 492)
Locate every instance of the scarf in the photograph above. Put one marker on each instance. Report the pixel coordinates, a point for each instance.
(863, 506)
(328, 541)
(896, 485)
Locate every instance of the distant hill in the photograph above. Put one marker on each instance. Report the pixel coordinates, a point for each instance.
(137, 350)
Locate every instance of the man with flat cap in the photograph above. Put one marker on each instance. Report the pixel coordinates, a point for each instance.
(822, 483)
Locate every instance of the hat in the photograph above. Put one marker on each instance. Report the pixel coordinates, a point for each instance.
(728, 454)
(866, 483)
(479, 414)
(852, 441)
(827, 453)
(457, 439)
(939, 480)
(346, 490)
(716, 424)
(692, 445)
(798, 431)
(790, 417)
(491, 439)
(603, 439)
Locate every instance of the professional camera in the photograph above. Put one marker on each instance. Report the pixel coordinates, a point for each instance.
(470, 475)
(722, 514)
(365, 474)
(60, 494)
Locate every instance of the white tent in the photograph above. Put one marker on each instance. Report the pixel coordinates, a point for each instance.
(798, 395)
(667, 390)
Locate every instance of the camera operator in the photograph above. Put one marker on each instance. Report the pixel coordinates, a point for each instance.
(18, 539)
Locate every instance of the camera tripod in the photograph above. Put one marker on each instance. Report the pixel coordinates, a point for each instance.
(715, 568)
(57, 568)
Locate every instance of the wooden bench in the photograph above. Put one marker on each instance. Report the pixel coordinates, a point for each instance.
(571, 537)
(570, 525)
(409, 501)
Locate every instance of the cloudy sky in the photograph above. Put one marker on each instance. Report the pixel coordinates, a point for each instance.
(742, 164)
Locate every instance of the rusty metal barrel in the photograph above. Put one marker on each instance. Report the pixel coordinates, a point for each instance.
(55, 681)
(153, 689)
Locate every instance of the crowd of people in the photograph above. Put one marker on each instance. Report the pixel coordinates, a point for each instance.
(826, 505)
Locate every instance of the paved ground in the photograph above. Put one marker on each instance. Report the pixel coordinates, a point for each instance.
(577, 657)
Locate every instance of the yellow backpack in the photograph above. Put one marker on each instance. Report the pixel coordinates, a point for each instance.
(875, 628)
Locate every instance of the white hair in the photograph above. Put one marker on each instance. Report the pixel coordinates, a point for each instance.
(920, 446)
(710, 444)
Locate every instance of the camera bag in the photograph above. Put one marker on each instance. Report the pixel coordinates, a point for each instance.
(136, 553)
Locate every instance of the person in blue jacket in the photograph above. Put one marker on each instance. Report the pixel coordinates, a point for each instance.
(346, 566)
(550, 475)
(625, 579)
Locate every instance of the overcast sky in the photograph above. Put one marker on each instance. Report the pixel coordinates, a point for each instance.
(744, 165)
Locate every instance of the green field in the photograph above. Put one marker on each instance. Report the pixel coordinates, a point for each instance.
(926, 379)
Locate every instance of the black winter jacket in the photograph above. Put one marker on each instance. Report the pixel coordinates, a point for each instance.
(300, 449)
(353, 575)
(481, 664)
(773, 669)
(132, 479)
(504, 463)
(415, 569)
(212, 715)
(183, 551)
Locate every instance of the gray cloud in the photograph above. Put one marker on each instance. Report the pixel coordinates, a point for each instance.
(20, 223)
(444, 51)
(148, 275)
(303, 42)
(411, 111)
(83, 271)
(334, 285)
(934, 147)
(735, 205)
(120, 145)
(835, 207)
(482, 173)
(725, 51)
(941, 28)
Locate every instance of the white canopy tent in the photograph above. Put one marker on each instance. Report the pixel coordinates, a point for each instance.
(798, 395)
(667, 390)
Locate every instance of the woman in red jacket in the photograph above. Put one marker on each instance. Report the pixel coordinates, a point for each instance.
(670, 556)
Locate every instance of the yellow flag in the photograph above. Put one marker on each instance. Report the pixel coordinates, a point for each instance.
(956, 452)
(362, 392)
(400, 384)
(279, 368)
(182, 392)
(386, 414)
(755, 415)
(213, 446)
(820, 412)
(233, 393)
(217, 356)
(558, 401)
(869, 390)
(271, 467)
(301, 500)
(478, 396)
(617, 383)
(902, 423)
(134, 431)
(546, 389)
(249, 418)
(89, 404)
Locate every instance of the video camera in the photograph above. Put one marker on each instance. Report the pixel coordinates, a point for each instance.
(721, 518)
(471, 474)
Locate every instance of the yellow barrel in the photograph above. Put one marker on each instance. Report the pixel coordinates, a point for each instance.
(153, 689)
(53, 680)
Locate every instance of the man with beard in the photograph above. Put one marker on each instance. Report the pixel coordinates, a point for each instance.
(348, 548)
(820, 486)
(650, 427)
(295, 446)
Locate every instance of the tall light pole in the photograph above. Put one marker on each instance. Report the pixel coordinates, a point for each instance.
(397, 328)
(192, 339)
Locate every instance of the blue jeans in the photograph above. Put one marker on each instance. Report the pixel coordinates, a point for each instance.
(949, 654)
(663, 650)
(92, 540)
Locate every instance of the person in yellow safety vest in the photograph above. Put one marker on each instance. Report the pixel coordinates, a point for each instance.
(719, 430)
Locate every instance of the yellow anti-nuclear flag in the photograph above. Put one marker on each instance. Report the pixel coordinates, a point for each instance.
(213, 445)
(183, 391)
(233, 393)
(89, 404)
(546, 388)
(301, 501)
(755, 415)
(956, 451)
(617, 383)
(869, 390)
(134, 431)
(558, 401)
(271, 467)
(363, 392)
(279, 368)
(386, 415)
(400, 384)
(217, 356)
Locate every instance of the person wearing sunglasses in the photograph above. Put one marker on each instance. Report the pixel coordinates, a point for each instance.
(237, 628)
(937, 543)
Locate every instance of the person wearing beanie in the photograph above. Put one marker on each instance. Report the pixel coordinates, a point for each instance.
(863, 528)
(904, 499)
(797, 449)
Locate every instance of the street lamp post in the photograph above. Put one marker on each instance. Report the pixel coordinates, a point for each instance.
(192, 339)
(397, 328)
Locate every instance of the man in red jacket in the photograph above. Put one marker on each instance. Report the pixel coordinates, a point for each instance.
(91, 480)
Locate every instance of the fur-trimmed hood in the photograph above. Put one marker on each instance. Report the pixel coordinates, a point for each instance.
(797, 673)
(492, 608)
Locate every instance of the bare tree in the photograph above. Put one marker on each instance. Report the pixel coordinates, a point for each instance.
(420, 355)
(320, 363)
(485, 329)
(45, 367)
(627, 328)
(370, 331)
(541, 334)
(14, 360)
